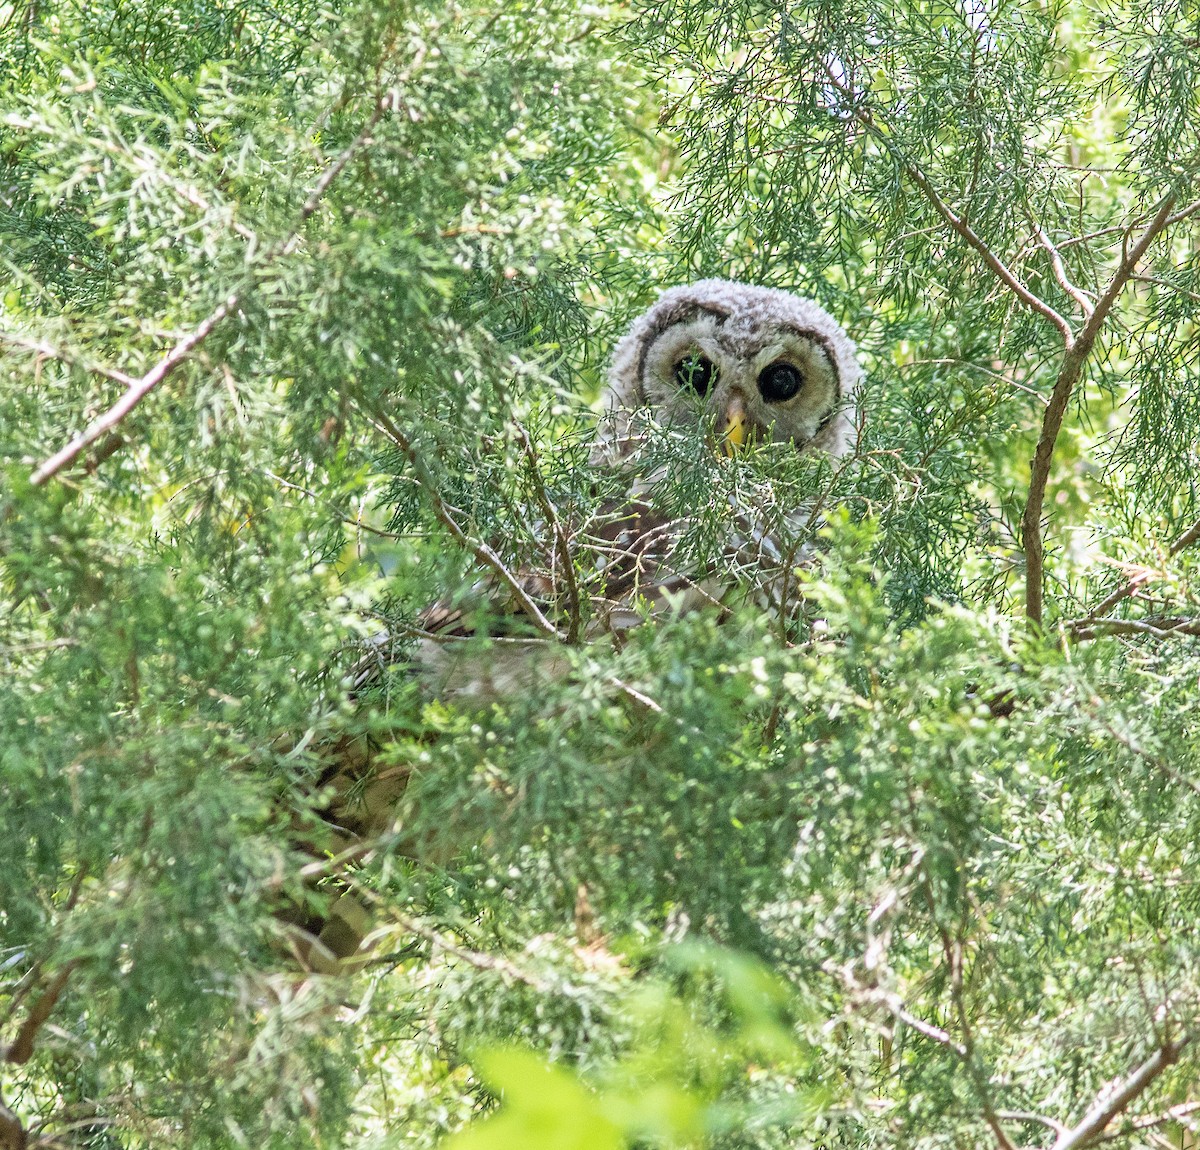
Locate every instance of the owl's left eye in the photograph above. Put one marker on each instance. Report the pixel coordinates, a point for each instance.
(779, 381)
(695, 372)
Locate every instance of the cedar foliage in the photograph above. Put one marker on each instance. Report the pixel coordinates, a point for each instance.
(911, 866)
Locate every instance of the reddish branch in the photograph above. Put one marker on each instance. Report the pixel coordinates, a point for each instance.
(21, 1049)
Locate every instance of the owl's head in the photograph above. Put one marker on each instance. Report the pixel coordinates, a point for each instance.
(755, 364)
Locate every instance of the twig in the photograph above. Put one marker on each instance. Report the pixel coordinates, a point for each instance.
(1113, 1099)
(1157, 628)
(357, 524)
(1030, 1116)
(49, 351)
(957, 222)
(134, 394)
(445, 515)
(561, 545)
(953, 953)
(475, 958)
(998, 267)
(1060, 272)
(1076, 353)
(1148, 1121)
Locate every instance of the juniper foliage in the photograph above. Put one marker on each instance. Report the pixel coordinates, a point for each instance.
(306, 312)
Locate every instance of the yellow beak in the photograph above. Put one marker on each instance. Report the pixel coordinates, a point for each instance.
(736, 427)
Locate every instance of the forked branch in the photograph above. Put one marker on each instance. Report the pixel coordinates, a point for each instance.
(1074, 357)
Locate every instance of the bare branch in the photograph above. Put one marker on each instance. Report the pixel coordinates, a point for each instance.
(1060, 272)
(1117, 1095)
(998, 267)
(1158, 628)
(1107, 604)
(445, 515)
(134, 394)
(561, 545)
(49, 351)
(21, 1049)
(1077, 351)
(478, 959)
(12, 1133)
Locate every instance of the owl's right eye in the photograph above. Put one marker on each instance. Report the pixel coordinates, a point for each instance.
(696, 372)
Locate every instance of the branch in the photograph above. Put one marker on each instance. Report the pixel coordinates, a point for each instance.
(21, 1049)
(138, 389)
(1030, 1116)
(1106, 605)
(999, 268)
(134, 394)
(1077, 351)
(1060, 272)
(12, 1133)
(1115, 1097)
(445, 515)
(1158, 628)
(958, 223)
(562, 547)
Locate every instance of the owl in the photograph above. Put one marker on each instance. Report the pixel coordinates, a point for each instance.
(747, 365)
(743, 365)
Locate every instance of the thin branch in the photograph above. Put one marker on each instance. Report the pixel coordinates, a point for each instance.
(349, 521)
(1149, 1121)
(966, 363)
(49, 351)
(1076, 353)
(953, 953)
(1156, 628)
(957, 222)
(478, 959)
(999, 269)
(134, 394)
(138, 389)
(1115, 1097)
(1096, 708)
(561, 545)
(1190, 536)
(1030, 1116)
(445, 515)
(1060, 272)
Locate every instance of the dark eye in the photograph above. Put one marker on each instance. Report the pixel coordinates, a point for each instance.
(779, 381)
(695, 371)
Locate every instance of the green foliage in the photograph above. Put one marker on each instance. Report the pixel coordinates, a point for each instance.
(886, 866)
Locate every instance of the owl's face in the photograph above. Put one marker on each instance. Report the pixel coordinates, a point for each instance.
(753, 364)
